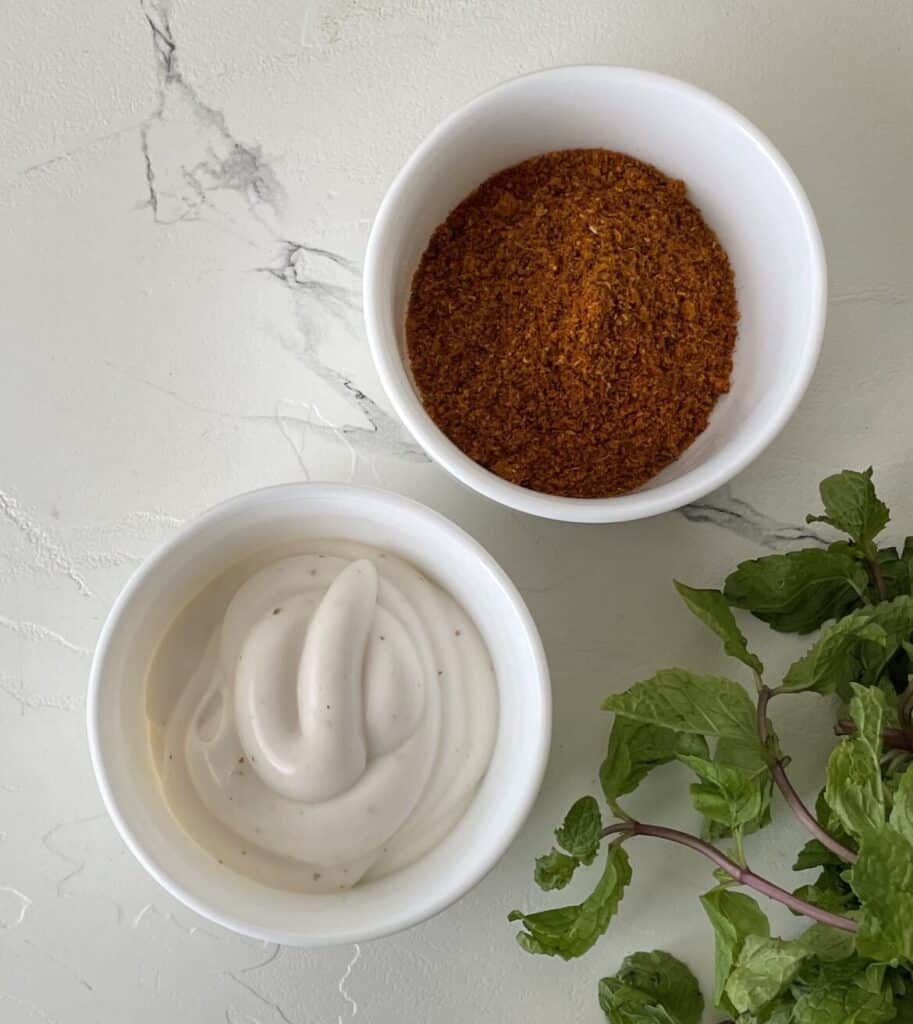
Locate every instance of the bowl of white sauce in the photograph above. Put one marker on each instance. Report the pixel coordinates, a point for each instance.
(319, 714)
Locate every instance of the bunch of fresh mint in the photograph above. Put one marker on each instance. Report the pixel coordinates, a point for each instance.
(854, 962)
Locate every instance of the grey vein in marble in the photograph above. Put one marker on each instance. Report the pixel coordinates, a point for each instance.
(880, 294)
(29, 701)
(62, 964)
(37, 633)
(50, 556)
(324, 284)
(211, 160)
(14, 906)
(213, 164)
(343, 990)
(724, 509)
(271, 1003)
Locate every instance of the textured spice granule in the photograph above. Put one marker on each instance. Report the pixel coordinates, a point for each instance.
(572, 323)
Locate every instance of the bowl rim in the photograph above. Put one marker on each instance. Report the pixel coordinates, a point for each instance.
(665, 497)
(517, 805)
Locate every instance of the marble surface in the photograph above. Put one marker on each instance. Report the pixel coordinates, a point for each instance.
(186, 190)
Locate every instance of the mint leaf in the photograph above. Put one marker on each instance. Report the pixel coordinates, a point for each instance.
(850, 993)
(851, 506)
(635, 749)
(686, 702)
(854, 787)
(623, 1004)
(867, 709)
(726, 795)
(906, 556)
(816, 855)
(830, 822)
(829, 891)
(882, 878)
(569, 932)
(855, 791)
(713, 610)
(554, 870)
(733, 916)
(895, 571)
(765, 967)
(827, 943)
(651, 987)
(799, 591)
(857, 648)
(903, 999)
(749, 761)
(578, 834)
(902, 811)
(896, 618)
(836, 658)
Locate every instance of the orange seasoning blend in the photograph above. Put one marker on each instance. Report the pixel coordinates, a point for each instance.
(572, 322)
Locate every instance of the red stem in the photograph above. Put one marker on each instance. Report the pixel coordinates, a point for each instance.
(797, 806)
(877, 578)
(742, 875)
(895, 739)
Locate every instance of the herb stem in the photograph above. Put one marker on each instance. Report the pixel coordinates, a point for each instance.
(742, 875)
(895, 739)
(877, 578)
(739, 846)
(794, 801)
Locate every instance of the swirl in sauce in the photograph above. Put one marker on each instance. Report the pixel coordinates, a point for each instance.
(338, 723)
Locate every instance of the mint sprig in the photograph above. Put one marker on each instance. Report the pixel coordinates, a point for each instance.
(855, 961)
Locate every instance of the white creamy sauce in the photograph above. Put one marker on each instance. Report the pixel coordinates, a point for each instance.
(326, 719)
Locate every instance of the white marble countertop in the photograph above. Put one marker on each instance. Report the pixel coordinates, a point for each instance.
(185, 191)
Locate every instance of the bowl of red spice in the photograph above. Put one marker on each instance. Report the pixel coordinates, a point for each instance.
(595, 294)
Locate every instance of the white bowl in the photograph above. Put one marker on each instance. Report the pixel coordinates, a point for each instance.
(747, 194)
(169, 579)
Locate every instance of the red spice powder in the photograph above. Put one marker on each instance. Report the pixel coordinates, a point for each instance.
(572, 322)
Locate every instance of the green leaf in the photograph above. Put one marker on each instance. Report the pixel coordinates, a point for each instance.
(635, 749)
(686, 702)
(799, 591)
(569, 932)
(578, 834)
(895, 617)
(726, 795)
(816, 855)
(903, 1000)
(902, 811)
(829, 891)
(906, 555)
(751, 762)
(831, 823)
(623, 1004)
(854, 787)
(554, 870)
(851, 505)
(895, 571)
(867, 709)
(882, 878)
(733, 916)
(765, 967)
(713, 610)
(651, 987)
(836, 658)
(850, 992)
(855, 791)
(855, 649)
(828, 943)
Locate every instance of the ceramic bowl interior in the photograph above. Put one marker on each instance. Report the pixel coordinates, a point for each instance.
(200, 552)
(742, 185)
